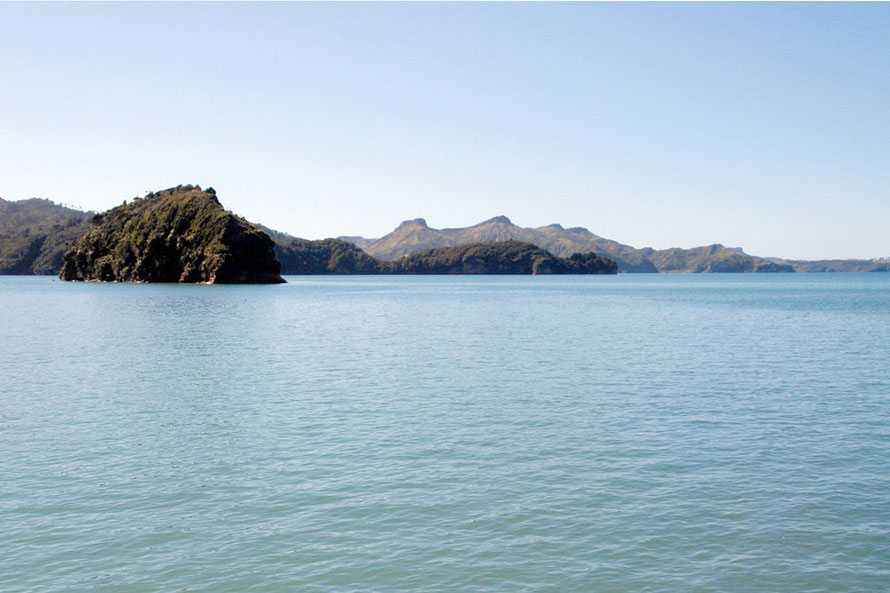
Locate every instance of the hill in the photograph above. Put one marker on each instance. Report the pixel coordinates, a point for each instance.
(321, 257)
(181, 234)
(502, 257)
(35, 233)
(335, 256)
(414, 236)
(840, 265)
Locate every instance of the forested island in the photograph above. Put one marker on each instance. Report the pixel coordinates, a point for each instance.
(182, 234)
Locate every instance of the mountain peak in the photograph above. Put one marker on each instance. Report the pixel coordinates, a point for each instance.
(416, 222)
(501, 219)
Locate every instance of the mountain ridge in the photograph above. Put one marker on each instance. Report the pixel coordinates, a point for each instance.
(35, 233)
(415, 235)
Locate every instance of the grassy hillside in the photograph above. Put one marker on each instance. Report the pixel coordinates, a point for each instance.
(713, 258)
(35, 233)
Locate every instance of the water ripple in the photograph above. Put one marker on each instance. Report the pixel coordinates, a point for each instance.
(447, 434)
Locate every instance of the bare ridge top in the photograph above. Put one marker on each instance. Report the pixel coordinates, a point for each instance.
(497, 219)
(414, 222)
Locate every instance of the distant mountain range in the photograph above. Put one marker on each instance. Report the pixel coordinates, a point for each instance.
(335, 256)
(413, 236)
(183, 234)
(35, 233)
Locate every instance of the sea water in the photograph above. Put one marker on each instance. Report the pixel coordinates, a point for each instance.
(499, 434)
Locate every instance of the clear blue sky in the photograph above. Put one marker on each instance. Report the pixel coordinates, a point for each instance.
(765, 126)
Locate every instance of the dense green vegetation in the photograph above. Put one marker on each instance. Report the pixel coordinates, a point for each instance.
(327, 256)
(502, 257)
(35, 233)
(334, 256)
(182, 234)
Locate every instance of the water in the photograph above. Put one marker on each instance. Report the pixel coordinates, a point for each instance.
(478, 434)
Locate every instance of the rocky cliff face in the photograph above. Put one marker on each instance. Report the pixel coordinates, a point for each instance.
(181, 234)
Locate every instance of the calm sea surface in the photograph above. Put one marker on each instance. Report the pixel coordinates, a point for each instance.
(466, 434)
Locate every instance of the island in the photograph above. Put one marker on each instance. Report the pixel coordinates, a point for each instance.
(501, 257)
(182, 234)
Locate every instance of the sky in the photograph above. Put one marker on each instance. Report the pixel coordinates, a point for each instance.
(762, 126)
